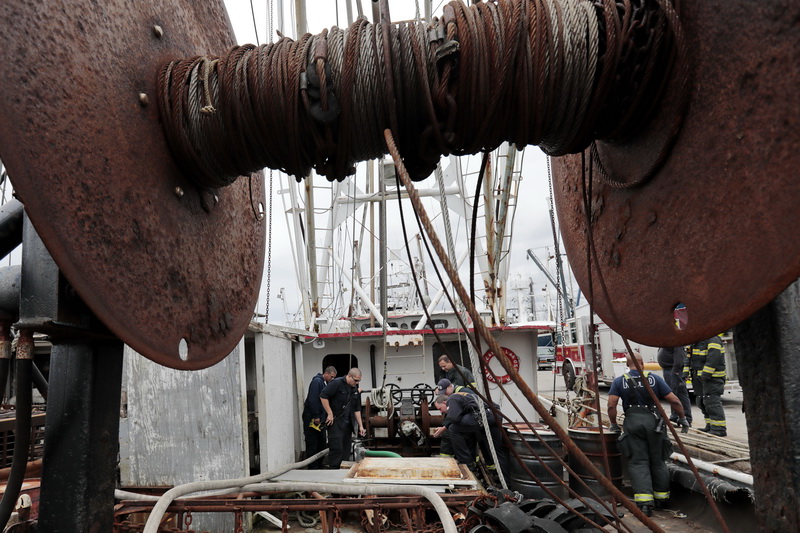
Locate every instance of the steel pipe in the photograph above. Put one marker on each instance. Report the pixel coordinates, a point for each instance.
(448, 524)
(711, 468)
(11, 217)
(39, 381)
(163, 503)
(22, 430)
(10, 290)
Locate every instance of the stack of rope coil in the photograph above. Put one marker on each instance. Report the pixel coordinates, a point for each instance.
(554, 73)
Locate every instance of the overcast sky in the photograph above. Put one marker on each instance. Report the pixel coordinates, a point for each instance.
(532, 228)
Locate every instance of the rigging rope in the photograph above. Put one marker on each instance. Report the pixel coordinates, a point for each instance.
(562, 73)
(473, 339)
(482, 330)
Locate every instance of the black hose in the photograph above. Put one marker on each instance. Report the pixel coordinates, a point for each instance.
(5, 364)
(39, 381)
(22, 441)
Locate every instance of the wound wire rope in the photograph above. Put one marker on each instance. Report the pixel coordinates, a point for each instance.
(563, 73)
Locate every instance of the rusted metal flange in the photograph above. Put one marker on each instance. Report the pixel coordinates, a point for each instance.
(716, 229)
(173, 271)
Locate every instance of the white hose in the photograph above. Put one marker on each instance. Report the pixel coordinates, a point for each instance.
(164, 501)
(137, 496)
(125, 495)
(380, 397)
(353, 489)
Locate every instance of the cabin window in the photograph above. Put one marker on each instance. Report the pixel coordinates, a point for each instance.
(434, 324)
(572, 337)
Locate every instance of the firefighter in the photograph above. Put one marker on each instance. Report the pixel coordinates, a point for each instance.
(464, 425)
(671, 362)
(644, 441)
(706, 365)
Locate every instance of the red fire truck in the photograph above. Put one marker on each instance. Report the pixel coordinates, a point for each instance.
(574, 351)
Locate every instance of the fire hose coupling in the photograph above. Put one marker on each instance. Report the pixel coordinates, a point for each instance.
(25, 345)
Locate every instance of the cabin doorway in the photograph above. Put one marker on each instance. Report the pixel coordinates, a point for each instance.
(342, 362)
(456, 351)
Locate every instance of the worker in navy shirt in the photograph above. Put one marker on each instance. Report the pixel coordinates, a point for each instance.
(314, 428)
(644, 441)
(446, 389)
(464, 424)
(341, 400)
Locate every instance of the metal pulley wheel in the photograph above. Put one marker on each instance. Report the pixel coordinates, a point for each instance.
(172, 270)
(714, 229)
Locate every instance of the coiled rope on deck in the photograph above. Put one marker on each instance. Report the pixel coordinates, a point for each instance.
(554, 73)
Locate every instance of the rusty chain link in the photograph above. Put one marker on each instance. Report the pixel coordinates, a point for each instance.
(336, 523)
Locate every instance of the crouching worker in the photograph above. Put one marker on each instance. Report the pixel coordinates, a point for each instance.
(445, 387)
(464, 425)
(645, 441)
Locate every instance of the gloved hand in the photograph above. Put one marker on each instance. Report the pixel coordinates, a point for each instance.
(614, 428)
(684, 424)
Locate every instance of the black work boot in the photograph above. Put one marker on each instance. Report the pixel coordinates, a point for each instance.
(647, 509)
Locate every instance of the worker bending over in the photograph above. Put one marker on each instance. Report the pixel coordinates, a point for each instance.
(464, 425)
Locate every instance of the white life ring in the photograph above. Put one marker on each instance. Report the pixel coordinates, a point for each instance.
(504, 378)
